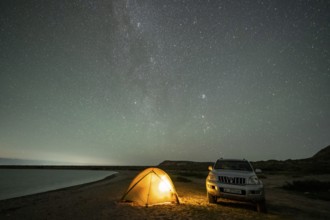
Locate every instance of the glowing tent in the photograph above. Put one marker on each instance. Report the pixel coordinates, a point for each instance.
(152, 186)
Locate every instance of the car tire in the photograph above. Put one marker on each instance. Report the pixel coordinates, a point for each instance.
(261, 206)
(212, 199)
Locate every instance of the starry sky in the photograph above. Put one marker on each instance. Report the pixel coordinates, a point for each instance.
(138, 82)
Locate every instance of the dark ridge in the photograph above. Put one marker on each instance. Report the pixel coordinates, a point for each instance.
(323, 154)
(184, 165)
(318, 164)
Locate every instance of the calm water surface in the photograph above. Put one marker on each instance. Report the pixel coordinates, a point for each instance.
(21, 182)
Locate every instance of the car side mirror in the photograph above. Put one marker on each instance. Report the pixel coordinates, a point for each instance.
(210, 168)
(258, 171)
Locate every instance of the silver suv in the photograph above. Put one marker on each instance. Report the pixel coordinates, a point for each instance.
(235, 180)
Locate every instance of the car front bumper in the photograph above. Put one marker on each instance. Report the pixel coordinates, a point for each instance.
(250, 193)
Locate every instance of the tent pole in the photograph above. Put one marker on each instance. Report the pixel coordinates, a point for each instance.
(134, 186)
(149, 191)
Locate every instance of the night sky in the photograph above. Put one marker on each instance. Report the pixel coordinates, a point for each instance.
(139, 82)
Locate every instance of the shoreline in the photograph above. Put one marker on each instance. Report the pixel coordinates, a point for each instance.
(74, 202)
(66, 186)
(101, 200)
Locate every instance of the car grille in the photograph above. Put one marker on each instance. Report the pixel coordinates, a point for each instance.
(232, 180)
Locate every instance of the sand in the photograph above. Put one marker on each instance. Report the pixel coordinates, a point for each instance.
(101, 200)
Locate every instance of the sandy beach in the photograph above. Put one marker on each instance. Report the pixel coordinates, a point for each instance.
(101, 200)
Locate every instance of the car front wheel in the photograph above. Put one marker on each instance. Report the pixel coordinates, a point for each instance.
(212, 199)
(261, 206)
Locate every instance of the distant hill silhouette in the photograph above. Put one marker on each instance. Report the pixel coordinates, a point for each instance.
(317, 164)
(185, 165)
(323, 154)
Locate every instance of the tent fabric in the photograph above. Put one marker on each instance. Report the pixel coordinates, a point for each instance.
(150, 187)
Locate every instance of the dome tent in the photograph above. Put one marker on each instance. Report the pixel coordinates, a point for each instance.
(150, 187)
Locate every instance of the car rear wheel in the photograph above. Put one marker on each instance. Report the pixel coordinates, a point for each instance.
(212, 199)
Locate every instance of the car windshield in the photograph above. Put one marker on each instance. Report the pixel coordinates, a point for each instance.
(232, 165)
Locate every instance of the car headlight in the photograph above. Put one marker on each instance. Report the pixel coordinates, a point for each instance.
(212, 177)
(253, 180)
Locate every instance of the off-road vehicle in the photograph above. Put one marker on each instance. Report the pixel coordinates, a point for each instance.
(235, 180)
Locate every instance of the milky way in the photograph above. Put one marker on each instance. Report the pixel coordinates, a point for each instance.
(138, 82)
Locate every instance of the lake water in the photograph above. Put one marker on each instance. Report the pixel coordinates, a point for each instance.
(21, 182)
